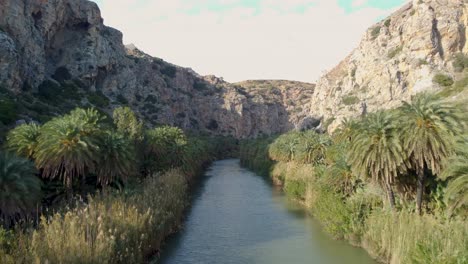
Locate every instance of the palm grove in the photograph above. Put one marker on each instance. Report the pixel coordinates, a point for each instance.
(70, 187)
(370, 179)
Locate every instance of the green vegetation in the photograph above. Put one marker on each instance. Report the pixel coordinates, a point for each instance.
(135, 183)
(375, 32)
(456, 88)
(20, 189)
(350, 100)
(8, 110)
(460, 62)
(395, 51)
(98, 99)
(388, 22)
(443, 80)
(393, 182)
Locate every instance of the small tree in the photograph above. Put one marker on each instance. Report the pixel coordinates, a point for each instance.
(127, 123)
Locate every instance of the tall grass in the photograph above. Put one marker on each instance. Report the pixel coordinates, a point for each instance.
(109, 228)
(404, 237)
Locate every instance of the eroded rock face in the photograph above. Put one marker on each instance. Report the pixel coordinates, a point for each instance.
(397, 58)
(67, 40)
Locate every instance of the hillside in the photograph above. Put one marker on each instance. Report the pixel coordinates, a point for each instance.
(397, 58)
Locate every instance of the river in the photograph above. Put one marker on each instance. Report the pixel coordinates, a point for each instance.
(239, 217)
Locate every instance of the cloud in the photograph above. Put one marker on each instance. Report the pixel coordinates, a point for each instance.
(268, 40)
(359, 3)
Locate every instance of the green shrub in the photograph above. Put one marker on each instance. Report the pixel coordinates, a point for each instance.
(8, 110)
(457, 87)
(296, 188)
(98, 99)
(330, 209)
(350, 100)
(388, 22)
(169, 71)
(392, 53)
(49, 90)
(422, 62)
(443, 80)
(460, 62)
(199, 85)
(375, 32)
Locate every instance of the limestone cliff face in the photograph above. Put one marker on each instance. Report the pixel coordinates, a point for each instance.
(54, 43)
(397, 58)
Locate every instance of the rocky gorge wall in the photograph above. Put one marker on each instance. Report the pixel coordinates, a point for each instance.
(46, 45)
(62, 49)
(397, 58)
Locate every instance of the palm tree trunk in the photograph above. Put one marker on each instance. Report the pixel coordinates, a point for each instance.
(391, 196)
(420, 191)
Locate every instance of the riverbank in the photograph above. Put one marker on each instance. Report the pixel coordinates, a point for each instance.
(80, 189)
(360, 217)
(125, 226)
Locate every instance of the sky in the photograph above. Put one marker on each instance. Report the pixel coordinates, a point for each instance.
(247, 39)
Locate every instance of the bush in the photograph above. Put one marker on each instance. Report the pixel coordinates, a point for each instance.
(98, 99)
(443, 80)
(350, 100)
(169, 71)
(8, 110)
(458, 87)
(392, 53)
(296, 188)
(460, 62)
(375, 32)
(330, 209)
(388, 22)
(49, 90)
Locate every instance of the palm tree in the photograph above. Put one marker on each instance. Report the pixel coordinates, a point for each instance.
(457, 172)
(69, 146)
(20, 189)
(347, 130)
(22, 140)
(429, 126)
(312, 147)
(376, 151)
(117, 160)
(284, 148)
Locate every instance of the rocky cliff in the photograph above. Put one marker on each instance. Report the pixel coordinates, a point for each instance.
(398, 57)
(58, 54)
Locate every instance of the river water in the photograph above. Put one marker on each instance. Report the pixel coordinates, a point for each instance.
(239, 217)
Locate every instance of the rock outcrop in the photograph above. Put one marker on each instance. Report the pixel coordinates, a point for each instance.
(397, 58)
(48, 45)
